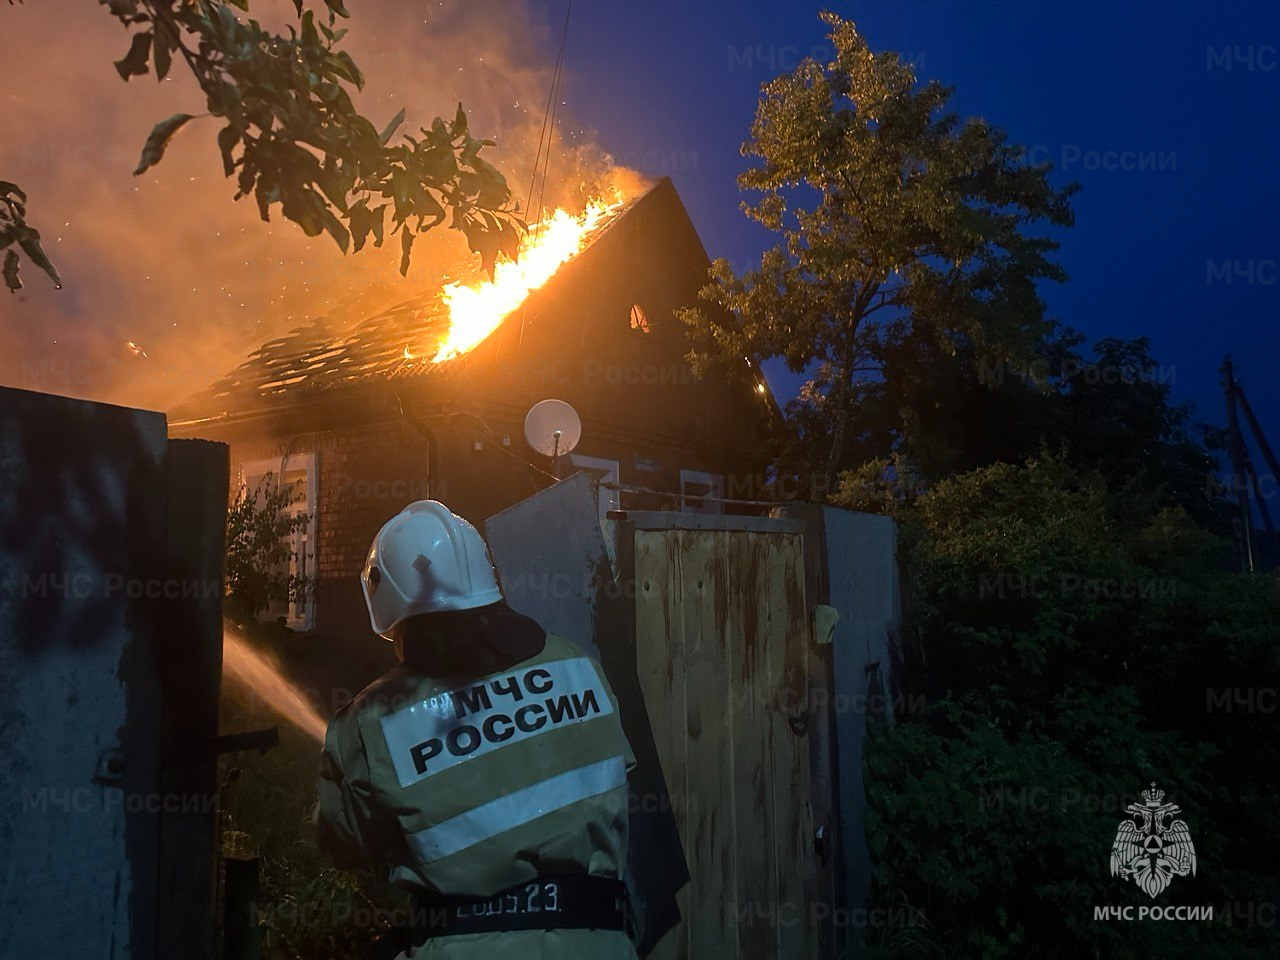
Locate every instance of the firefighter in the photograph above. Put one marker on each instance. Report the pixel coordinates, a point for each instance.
(487, 771)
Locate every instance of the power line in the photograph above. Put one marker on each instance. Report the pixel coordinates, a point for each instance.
(547, 133)
(555, 103)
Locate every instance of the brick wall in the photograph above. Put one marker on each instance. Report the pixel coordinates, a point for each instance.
(366, 475)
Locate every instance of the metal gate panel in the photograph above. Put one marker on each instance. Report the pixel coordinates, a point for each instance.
(110, 632)
(554, 565)
(81, 532)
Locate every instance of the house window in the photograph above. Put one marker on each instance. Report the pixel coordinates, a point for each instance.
(701, 492)
(606, 471)
(639, 319)
(298, 474)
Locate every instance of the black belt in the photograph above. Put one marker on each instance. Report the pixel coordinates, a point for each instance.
(547, 903)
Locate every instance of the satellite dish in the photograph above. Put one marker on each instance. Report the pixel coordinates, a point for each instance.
(552, 427)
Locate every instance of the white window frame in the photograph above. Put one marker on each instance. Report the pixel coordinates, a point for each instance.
(606, 470)
(299, 616)
(715, 484)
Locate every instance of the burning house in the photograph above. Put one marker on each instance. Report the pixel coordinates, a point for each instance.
(726, 639)
(429, 398)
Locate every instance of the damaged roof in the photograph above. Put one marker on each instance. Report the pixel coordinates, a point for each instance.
(327, 354)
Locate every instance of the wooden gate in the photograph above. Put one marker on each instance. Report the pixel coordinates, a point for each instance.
(722, 653)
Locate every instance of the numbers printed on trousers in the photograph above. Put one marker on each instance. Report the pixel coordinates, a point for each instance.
(538, 898)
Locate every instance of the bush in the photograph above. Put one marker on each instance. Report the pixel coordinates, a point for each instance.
(259, 528)
(1079, 641)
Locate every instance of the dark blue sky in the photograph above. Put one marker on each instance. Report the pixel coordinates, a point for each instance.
(671, 85)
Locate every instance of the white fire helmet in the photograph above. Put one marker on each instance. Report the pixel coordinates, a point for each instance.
(425, 559)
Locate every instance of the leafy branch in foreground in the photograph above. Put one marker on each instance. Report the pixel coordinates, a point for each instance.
(294, 137)
(14, 229)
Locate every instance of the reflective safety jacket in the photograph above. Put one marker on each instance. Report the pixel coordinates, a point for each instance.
(473, 785)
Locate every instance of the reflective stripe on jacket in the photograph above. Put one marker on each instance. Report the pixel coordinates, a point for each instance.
(470, 786)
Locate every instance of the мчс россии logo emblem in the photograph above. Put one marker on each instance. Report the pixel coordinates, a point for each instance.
(1152, 848)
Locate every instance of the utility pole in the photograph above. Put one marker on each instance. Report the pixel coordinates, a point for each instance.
(1235, 446)
(1259, 435)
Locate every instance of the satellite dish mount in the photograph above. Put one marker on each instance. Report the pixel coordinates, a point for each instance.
(553, 428)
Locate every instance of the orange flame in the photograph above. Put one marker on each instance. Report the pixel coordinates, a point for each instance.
(476, 310)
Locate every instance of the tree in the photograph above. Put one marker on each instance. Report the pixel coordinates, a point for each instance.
(893, 215)
(933, 411)
(293, 137)
(1117, 418)
(1110, 412)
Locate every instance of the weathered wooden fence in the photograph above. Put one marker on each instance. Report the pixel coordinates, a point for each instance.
(721, 640)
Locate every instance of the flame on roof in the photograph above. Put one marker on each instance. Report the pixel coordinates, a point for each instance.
(425, 335)
(477, 309)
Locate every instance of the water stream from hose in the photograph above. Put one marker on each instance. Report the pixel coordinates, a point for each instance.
(254, 671)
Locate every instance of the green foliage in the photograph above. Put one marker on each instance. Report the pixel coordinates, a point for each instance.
(877, 486)
(14, 229)
(893, 216)
(259, 527)
(929, 418)
(293, 137)
(1077, 643)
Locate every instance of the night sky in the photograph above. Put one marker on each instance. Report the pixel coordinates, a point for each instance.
(671, 87)
(1181, 249)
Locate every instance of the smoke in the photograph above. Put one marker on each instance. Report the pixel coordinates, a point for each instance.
(166, 261)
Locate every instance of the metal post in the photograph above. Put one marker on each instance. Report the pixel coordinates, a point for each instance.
(433, 456)
(1235, 444)
(242, 937)
(1258, 434)
(1257, 493)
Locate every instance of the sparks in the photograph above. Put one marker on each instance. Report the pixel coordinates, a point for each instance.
(136, 350)
(477, 310)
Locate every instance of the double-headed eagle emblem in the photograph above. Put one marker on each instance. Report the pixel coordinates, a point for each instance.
(1151, 849)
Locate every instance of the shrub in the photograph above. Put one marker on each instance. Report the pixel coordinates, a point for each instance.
(1078, 646)
(259, 528)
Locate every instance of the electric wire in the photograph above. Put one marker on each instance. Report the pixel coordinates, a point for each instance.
(548, 134)
(556, 79)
